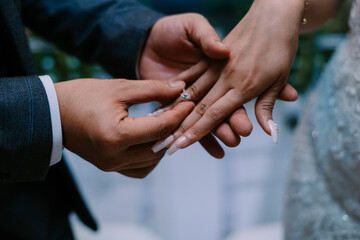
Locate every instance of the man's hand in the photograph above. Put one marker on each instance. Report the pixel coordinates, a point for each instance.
(96, 125)
(178, 42)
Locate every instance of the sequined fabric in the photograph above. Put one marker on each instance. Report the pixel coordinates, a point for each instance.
(323, 195)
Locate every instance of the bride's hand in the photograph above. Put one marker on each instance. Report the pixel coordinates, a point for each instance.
(177, 43)
(263, 46)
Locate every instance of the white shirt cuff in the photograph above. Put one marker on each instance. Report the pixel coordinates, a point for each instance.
(55, 119)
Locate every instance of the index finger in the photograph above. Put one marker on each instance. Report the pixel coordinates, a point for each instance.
(147, 129)
(212, 117)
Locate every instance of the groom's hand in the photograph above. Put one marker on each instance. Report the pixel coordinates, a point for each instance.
(96, 125)
(178, 42)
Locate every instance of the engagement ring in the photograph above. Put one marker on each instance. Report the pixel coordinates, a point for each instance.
(185, 96)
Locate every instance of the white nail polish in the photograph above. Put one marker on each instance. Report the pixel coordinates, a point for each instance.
(274, 130)
(180, 142)
(160, 145)
(153, 114)
(159, 111)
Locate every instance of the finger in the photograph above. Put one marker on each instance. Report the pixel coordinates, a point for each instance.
(264, 107)
(288, 93)
(139, 156)
(211, 145)
(139, 165)
(193, 73)
(225, 133)
(141, 91)
(201, 87)
(200, 109)
(148, 129)
(212, 117)
(136, 156)
(139, 173)
(205, 36)
(240, 122)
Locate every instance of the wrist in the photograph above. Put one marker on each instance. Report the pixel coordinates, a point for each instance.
(60, 95)
(284, 12)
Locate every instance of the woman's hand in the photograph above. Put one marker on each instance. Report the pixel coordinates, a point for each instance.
(263, 46)
(96, 125)
(177, 43)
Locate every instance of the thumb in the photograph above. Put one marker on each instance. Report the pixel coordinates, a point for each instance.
(264, 108)
(205, 36)
(142, 91)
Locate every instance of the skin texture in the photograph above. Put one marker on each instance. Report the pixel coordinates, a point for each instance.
(262, 48)
(189, 45)
(94, 115)
(96, 125)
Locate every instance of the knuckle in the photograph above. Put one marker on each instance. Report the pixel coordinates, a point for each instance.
(196, 16)
(194, 92)
(201, 109)
(194, 133)
(182, 129)
(164, 130)
(215, 114)
(155, 84)
(266, 106)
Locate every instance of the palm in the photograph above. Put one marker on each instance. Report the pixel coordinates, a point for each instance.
(177, 43)
(157, 63)
(163, 58)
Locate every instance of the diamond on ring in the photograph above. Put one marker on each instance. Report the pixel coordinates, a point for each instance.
(185, 96)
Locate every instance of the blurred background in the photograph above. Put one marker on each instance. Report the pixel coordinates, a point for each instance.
(191, 195)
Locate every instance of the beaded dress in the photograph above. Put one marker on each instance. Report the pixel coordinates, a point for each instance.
(323, 194)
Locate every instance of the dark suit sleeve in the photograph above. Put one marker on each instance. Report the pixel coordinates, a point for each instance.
(108, 32)
(25, 129)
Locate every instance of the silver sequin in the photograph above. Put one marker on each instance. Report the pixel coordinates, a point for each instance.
(323, 191)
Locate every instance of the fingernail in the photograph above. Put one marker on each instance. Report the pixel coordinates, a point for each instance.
(179, 143)
(160, 145)
(177, 84)
(274, 130)
(221, 44)
(159, 111)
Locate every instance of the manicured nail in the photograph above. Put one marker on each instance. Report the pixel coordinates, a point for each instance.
(274, 130)
(160, 145)
(159, 111)
(179, 143)
(177, 84)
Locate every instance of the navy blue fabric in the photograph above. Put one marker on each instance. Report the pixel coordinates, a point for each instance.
(25, 124)
(25, 129)
(38, 210)
(108, 32)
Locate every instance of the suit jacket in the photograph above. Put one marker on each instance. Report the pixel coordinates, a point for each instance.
(35, 200)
